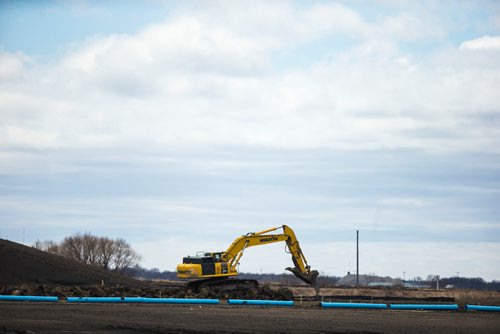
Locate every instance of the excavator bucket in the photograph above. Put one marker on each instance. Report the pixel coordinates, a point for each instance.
(308, 278)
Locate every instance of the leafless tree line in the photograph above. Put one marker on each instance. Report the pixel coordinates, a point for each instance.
(116, 255)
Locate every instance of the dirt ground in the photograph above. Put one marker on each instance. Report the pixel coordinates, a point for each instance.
(25, 317)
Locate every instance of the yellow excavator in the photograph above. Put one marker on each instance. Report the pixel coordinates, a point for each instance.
(214, 269)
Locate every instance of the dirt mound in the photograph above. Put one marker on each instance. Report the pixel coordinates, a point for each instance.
(91, 291)
(264, 292)
(20, 264)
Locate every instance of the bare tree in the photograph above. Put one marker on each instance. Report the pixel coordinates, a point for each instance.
(72, 247)
(124, 255)
(432, 278)
(89, 248)
(106, 249)
(48, 246)
(103, 252)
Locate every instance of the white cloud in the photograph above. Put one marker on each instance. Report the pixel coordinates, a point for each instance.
(183, 44)
(240, 116)
(334, 18)
(197, 80)
(482, 43)
(12, 65)
(410, 27)
(23, 137)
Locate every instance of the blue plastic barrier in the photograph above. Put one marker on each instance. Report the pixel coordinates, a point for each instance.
(488, 308)
(260, 302)
(141, 300)
(102, 300)
(180, 301)
(448, 307)
(353, 305)
(29, 298)
(132, 299)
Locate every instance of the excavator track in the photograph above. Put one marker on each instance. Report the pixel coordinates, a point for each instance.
(223, 284)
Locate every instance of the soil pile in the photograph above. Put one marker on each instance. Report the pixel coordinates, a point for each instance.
(21, 264)
(151, 291)
(262, 292)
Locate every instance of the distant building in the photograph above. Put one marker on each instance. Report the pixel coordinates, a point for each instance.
(368, 280)
(415, 285)
(382, 284)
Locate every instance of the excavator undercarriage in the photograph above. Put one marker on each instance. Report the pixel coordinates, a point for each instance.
(223, 284)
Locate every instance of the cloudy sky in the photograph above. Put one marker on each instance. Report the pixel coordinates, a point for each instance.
(180, 125)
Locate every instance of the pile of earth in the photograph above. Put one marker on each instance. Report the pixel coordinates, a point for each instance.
(264, 292)
(28, 271)
(20, 264)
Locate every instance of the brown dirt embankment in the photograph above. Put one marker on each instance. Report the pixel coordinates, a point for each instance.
(20, 264)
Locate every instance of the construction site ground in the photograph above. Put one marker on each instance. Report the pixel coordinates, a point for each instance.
(26, 317)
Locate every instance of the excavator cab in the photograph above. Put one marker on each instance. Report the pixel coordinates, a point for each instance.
(204, 265)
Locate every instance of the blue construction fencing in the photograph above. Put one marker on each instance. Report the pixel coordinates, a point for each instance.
(435, 307)
(260, 302)
(488, 308)
(29, 298)
(140, 300)
(353, 305)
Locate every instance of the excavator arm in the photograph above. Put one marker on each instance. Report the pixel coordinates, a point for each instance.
(301, 269)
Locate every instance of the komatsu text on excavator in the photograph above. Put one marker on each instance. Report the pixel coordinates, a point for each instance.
(214, 269)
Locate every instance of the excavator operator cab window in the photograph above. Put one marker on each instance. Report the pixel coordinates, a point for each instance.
(198, 259)
(193, 260)
(207, 259)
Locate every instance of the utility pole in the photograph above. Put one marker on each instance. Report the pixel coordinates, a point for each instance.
(357, 258)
